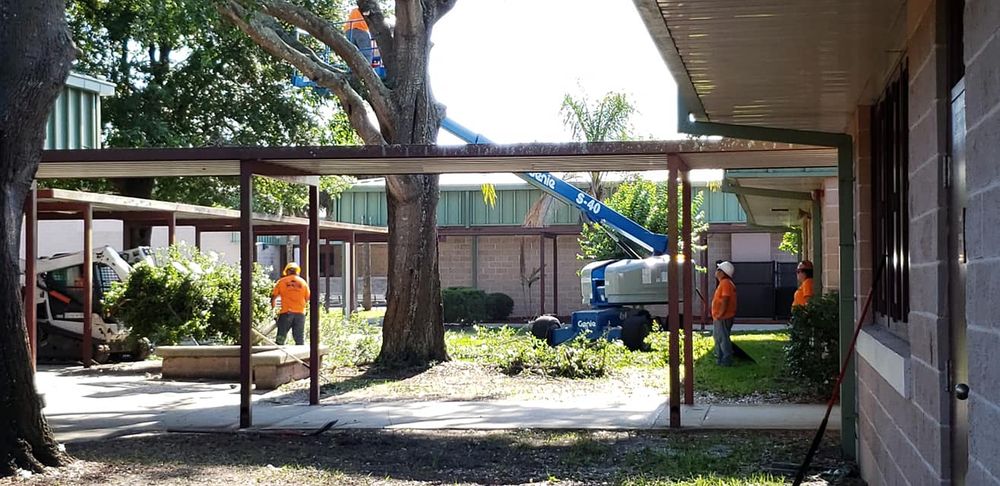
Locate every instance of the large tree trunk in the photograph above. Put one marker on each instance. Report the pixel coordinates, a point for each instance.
(35, 52)
(412, 331)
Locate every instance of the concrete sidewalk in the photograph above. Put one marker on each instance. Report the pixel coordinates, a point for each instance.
(94, 405)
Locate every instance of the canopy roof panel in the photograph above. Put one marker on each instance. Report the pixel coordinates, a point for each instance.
(430, 159)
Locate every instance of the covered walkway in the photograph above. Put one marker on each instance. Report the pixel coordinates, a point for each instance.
(303, 164)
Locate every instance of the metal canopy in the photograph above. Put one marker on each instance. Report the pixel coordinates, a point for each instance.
(63, 204)
(777, 197)
(429, 159)
(776, 63)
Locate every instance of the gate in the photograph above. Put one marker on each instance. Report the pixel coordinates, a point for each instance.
(765, 289)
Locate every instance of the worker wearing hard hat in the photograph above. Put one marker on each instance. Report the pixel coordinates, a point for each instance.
(294, 293)
(723, 313)
(804, 274)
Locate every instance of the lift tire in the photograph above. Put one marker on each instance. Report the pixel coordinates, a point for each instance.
(634, 331)
(541, 327)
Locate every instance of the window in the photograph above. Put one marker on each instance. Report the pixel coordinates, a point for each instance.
(890, 190)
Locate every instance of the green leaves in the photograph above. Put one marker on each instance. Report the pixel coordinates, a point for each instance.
(644, 202)
(813, 352)
(187, 294)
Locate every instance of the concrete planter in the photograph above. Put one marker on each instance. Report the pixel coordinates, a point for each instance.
(272, 367)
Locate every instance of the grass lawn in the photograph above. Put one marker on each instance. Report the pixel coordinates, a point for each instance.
(394, 458)
(508, 363)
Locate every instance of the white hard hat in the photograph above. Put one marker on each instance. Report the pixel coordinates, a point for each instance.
(727, 268)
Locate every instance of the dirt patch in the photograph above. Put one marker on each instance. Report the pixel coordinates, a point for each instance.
(436, 457)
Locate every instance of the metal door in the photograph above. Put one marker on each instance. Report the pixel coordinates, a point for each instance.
(959, 363)
(784, 289)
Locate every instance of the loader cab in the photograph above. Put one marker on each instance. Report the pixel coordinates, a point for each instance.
(65, 292)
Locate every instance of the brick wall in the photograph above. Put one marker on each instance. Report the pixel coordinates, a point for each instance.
(982, 78)
(904, 437)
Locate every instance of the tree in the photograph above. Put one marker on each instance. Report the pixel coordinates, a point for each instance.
(791, 242)
(164, 57)
(605, 121)
(37, 50)
(406, 113)
(644, 202)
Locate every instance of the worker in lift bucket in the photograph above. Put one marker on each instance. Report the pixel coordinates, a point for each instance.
(356, 30)
(723, 313)
(294, 293)
(804, 274)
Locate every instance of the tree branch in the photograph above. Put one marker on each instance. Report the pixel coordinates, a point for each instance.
(327, 33)
(443, 7)
(265, 31)
(380, 30)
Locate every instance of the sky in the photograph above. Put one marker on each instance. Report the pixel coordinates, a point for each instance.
(502, 67)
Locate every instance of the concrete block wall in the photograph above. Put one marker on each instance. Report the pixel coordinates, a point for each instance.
(982, 81)
(905, 437)
(830, 208)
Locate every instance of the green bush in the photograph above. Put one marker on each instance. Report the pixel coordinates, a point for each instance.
(463, 304)
(354, 342)
(186, 294)
(499, 306)
(813, 351)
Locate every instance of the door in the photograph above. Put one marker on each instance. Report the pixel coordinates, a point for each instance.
(959, 362)
(754, 289)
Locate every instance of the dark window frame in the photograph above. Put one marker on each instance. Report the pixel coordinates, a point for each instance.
(890, 198)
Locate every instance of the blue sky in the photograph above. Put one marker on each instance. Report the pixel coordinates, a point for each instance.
(503, 66)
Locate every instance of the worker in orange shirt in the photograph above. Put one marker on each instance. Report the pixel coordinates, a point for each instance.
(723, 313)
(804, 274)
(294, 293)
(356, 30)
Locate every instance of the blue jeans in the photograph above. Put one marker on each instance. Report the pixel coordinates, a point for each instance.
(723, 345)
(295, 322)
(363, 41)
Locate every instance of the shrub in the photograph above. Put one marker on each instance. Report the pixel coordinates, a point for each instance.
(499, 306)
(186, 294)
(813, 351)
(463, 304)
(353, 342)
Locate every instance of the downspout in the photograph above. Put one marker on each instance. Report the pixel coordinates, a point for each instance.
(845, 175)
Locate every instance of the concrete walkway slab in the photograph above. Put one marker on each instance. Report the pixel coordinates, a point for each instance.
(95, 405)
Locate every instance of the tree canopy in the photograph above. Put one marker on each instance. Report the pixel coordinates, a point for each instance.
(185, 78)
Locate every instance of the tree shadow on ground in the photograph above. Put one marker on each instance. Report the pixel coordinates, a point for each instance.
(475, 457)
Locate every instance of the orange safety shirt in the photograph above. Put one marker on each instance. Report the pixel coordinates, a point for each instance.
(724, 310)
(804, 293)
(294, 293)
(356, 21)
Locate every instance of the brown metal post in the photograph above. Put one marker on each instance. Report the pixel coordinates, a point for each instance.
(30, 261)
(171, 229)
(352, 292)
(688, 276)
(197, 238)
(705, 309)
(247, 254)
(304, 245)
(555, 274)
(673, 294)
(88, 286)
(541, 280)
(314, 297)
(329, 271)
